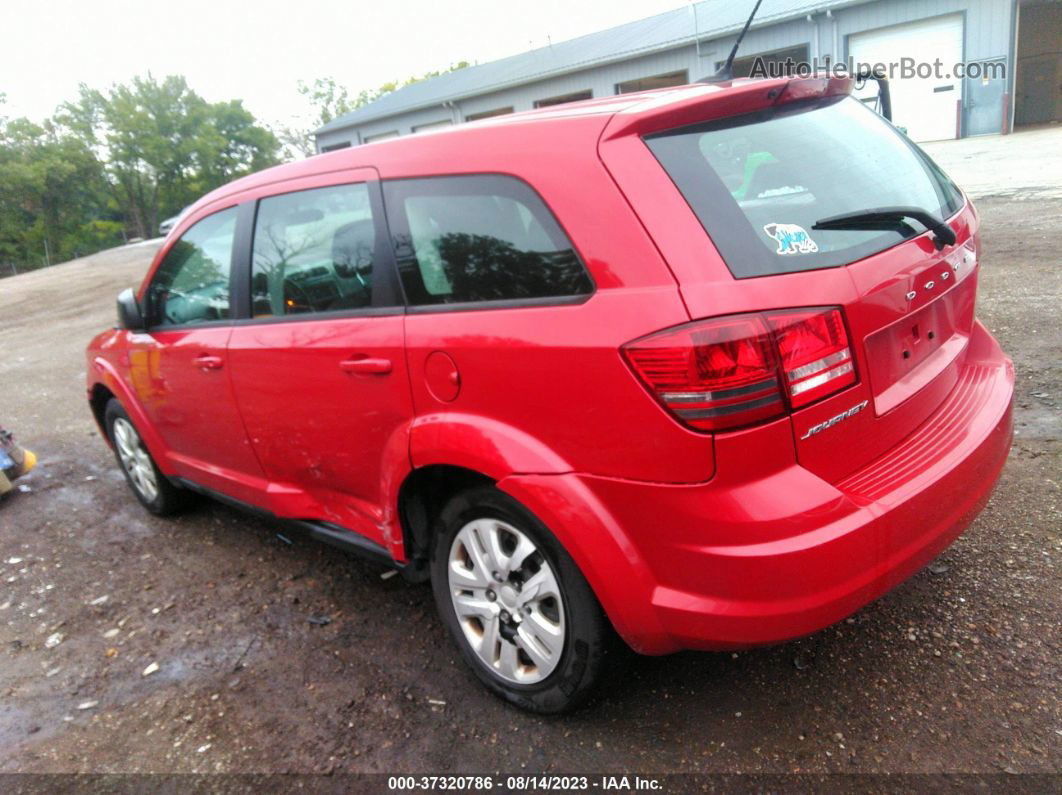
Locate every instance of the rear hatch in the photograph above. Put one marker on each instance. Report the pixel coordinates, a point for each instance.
(758, 182)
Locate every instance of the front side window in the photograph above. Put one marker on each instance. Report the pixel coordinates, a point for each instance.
(313, 252)
(759, 183)
(191, 285)
(479, 238)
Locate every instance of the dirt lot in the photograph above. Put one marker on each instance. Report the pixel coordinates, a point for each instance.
(957, 670)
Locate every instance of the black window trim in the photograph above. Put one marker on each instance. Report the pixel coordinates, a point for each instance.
(148, 308)
(502, 303)
(387, 298)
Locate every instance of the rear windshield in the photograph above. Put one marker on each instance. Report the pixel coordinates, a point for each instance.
(759, 182)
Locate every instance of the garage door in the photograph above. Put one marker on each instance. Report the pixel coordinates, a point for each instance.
(926, 106)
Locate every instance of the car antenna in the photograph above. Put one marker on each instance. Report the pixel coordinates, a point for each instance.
(726, 71)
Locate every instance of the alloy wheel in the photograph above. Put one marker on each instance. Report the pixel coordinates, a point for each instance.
(508, 601)
(135, 459)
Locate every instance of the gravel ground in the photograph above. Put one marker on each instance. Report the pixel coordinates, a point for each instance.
(957, 670)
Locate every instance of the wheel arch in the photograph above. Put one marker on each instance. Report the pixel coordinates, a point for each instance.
(450, 452)
(615, 572)
(480, 444)
(108, 385)
(421, 497)
(615, 569)
(99, 397)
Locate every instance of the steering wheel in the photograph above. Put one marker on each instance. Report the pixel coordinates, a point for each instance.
(166, 295)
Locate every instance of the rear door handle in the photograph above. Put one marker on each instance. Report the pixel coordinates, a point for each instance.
(366, 366)
(208, 362)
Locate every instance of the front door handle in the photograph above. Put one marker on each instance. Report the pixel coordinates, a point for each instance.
(208, 362)
(366, 366)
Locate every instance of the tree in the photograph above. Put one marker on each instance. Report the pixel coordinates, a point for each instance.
(53, 196)
(115, 162)
(230, 144)
(331, 100)
(295, 142)
(164, 145)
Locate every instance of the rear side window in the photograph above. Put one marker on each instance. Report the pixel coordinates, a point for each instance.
(758, 183)
(313, 252)
(479, 238)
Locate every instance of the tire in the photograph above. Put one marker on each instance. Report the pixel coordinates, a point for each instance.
(153, 489)
(547, 655)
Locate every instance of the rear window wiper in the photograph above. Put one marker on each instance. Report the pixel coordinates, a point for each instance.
(889, 218)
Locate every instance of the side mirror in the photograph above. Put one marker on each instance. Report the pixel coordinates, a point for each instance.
(129, 315)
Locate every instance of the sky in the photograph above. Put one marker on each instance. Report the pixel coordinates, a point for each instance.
(258, 51)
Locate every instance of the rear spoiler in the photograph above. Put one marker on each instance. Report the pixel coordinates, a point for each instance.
(703, 102)
(726, 71)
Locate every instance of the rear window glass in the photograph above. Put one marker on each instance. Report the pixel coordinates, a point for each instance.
(759, 183)
(479, 238)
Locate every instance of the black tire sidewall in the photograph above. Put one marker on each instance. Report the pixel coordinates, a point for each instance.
(573, 678)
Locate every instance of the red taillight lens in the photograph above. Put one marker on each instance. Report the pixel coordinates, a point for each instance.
(714, 374)
(813, 346)
(730, 372)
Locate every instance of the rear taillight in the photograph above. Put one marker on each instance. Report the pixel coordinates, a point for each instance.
(739, 370)
(813, 347)
(713, 374)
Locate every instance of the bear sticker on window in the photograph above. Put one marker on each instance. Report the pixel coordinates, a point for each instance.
(791, 238)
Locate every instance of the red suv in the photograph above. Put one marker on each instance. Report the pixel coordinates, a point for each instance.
(698, 365)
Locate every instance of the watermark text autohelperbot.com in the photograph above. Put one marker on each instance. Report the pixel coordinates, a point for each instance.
(900, 69)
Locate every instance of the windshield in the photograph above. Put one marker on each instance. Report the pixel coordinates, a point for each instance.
(759, 182)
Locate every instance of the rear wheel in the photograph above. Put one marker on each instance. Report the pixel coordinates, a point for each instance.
(150, 486)
(516, 604)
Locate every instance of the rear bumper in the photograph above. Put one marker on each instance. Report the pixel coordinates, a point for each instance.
(720, 566)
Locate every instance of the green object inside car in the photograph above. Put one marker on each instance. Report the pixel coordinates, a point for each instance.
(752, 162)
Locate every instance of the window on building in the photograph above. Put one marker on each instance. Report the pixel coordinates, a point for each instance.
(313, 252)
(381, 136)
(657, 81)
(479, 238)
(489, 113)
(192, 283)
(560, 100)
(431, 125)
(781, 59)
(334, 147)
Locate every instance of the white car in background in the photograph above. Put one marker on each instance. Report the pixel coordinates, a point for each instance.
(169, 223)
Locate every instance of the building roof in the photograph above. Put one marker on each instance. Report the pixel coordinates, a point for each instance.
(706, 20)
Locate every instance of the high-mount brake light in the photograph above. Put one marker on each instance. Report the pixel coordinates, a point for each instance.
(739, 370)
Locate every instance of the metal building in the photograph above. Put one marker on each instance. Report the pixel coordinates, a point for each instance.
(1014, 45)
